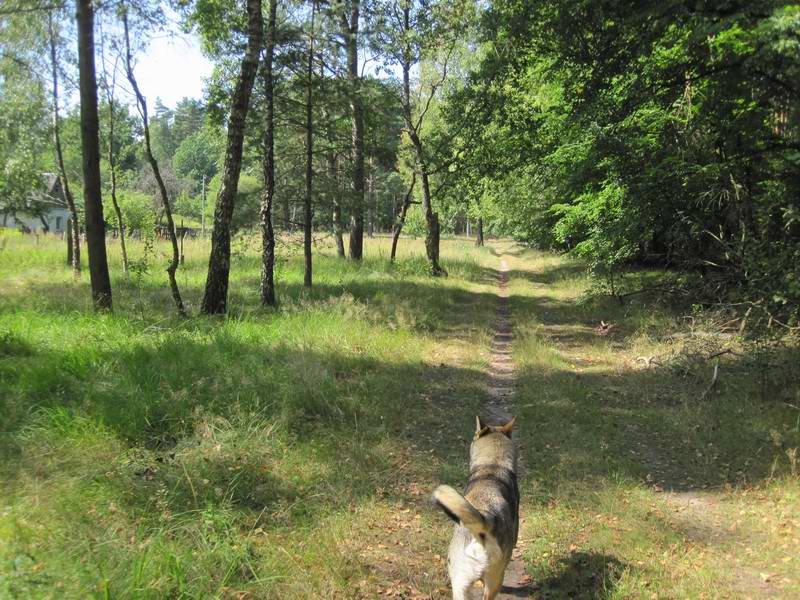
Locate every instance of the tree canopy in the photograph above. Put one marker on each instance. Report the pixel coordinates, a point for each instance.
(646, 133)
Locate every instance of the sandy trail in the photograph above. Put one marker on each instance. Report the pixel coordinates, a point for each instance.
(500, 392)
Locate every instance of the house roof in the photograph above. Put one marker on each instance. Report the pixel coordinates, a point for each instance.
(50, 194)
(53, 192)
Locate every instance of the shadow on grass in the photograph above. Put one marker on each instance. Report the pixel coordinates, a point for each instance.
(582, 576)
(639, 414)
(516, 251)
(551, 275)
(662, 426)
(154, 395)
(373, 280)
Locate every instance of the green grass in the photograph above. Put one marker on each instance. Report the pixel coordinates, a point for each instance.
(641, 483)
(290, 452)
(149, 456)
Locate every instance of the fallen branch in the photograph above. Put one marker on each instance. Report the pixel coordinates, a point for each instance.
(721, 352)
(744, 320)
(655, 288)
(649, 360)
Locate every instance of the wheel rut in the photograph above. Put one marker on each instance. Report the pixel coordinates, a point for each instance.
(500, 392)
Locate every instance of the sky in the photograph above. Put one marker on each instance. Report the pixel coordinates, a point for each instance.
(172, 68)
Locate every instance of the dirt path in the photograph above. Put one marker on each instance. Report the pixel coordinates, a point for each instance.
(500, 391)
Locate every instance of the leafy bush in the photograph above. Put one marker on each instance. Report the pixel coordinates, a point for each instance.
(598, 222)
(137, 211)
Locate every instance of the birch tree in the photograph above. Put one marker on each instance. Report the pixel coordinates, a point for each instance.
(215, 297)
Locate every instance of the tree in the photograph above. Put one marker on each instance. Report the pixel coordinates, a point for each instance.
(74, 238)
(268, 295)
(410, 33)
(90, 147)
(141, 104)
(188, 119)
(401, 217)
(197, 157)
(645, 133)
(349, 15)
(332, 164)
(308, 212)
(109, 89)
(215, 298)
(26, 114)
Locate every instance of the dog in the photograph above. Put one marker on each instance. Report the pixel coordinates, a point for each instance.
(486, 516)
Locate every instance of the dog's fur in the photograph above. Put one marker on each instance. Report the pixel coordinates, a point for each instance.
(486, 516)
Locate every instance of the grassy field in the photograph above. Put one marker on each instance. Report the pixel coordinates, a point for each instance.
(285, 453)
(644, 481)
(290, 453)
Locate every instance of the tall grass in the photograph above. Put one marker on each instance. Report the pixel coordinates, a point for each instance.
(145, 455)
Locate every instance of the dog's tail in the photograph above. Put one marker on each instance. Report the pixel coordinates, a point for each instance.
(460, 510)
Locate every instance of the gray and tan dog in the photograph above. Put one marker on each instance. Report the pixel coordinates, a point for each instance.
(486, 516)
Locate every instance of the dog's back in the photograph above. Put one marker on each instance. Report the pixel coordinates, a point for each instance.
(487, 515)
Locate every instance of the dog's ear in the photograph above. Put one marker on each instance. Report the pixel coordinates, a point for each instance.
(507, 428)
(479, 424)
(481, 428)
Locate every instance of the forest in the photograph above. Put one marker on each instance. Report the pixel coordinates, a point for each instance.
(663, 135)
(244, 334)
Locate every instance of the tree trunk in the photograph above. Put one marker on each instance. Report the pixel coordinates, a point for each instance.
(112, 164)
(73, 227)
(479, 233)
(350, 32)
(142, 105)
(268, 296)
(431, 218)
(287, 217)
(308, 213)
(117, 210)
(333, 174)
(371, 201)
(215, 298)
(90, 150)
(70, 246)
(401, 220)
(336, 216)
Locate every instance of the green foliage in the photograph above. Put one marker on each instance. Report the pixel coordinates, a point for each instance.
(598, 222)
(138, 212)
(24, 137)
(198, 156)
(415, 223)
(248, 202)
(126, 142)
(626, 135)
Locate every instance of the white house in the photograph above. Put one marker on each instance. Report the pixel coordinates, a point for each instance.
(51, 212)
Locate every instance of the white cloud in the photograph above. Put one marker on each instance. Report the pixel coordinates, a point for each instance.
(172, 68)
